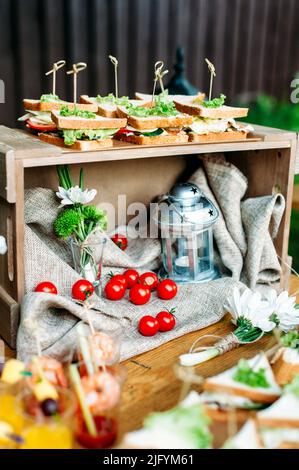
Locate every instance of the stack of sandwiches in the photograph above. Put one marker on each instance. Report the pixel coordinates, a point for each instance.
(212, 120)
(38, 116)
(157, 124)
(82, 130)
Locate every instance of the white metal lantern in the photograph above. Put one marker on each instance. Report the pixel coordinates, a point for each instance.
(186, 218)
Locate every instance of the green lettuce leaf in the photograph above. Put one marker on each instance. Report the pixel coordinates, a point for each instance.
(290, 340)
(66, 112)
(190, 424)
(215, 103)
(49, 98)
(246, 375)
(70, 136)
(111, 99)
(161, 108)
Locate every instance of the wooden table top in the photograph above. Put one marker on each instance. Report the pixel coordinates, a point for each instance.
(151, 381)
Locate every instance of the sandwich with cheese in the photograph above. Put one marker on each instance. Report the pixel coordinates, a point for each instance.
(285, 363)
(159, 124)
(82, 130)
(38, 112)
(107, 105)
(213, 120)
(249, 385)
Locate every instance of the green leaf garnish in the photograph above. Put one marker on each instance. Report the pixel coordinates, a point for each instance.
(66, 112)
(70, 136)
(111, 99)
(290, 340)
(49, 98)
(246, 375)
(161, 108)
(215, 103)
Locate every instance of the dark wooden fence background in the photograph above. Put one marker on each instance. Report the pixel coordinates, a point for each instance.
(254, 44)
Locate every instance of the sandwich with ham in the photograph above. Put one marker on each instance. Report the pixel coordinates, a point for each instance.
(213, 120)
(160, 123)
(82, 130)
(107, 105)
(38, 112)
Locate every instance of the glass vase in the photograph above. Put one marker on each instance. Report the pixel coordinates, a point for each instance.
(88, 260)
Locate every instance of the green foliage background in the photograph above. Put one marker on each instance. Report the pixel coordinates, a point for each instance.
(268, 111)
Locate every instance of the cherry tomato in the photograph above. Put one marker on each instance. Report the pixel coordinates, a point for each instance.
(167, 289)
(119, 278)
(149, 279)
(82, 290)
(132, 277)
(41, 127)
(120, 240)
(148, 326)
(166, 320)
(47, 288)
(114, 290)
(140, 295)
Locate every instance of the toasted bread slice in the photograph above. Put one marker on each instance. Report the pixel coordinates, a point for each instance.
(186, 105)
(217, 136)
(284, 366)
(284, 413)
(81, 145)
(37, 105)
(224, 382)
(151, 122)
(109, 110)
(75, 122)
(144, 96)
(181, 137)
(279, 438)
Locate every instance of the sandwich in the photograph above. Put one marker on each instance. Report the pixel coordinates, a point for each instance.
(183, 427)
(249, 385)
(279, 424)
(213, 120)
(107, 105)
(158, 124)
(82, 130)
(38, 112)
(285, 363)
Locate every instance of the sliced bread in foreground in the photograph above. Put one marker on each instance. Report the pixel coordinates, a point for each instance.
(80, 145)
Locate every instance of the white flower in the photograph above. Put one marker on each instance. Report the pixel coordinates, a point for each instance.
(3, 246)
(253, 307)
(283, 307)
(75, 195)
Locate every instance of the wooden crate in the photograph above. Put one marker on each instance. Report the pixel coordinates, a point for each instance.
(140, 173)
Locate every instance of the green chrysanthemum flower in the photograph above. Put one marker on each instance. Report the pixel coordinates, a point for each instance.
(94, 215)
(66, 223)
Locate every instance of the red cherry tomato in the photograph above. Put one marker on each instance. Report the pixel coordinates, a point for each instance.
(47, 288)
(167, 289)
(148, 326)
(114, 290)
(166, 321)
(149, 279)
(41, 127)
(140, 295)
(132, 277)
(82, 290)
(120, 240)
(119, 278)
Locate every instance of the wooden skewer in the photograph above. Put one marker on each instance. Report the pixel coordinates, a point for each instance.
(158, 70)
(58, 65)
(76, 69)
(213, 74)
(115, 63)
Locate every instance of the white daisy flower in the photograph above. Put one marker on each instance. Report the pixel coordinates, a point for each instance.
(75, 195)
(3, 246)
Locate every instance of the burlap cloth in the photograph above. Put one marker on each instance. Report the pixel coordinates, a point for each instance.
(244, 250)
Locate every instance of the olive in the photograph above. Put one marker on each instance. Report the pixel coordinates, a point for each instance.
(49, 407)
